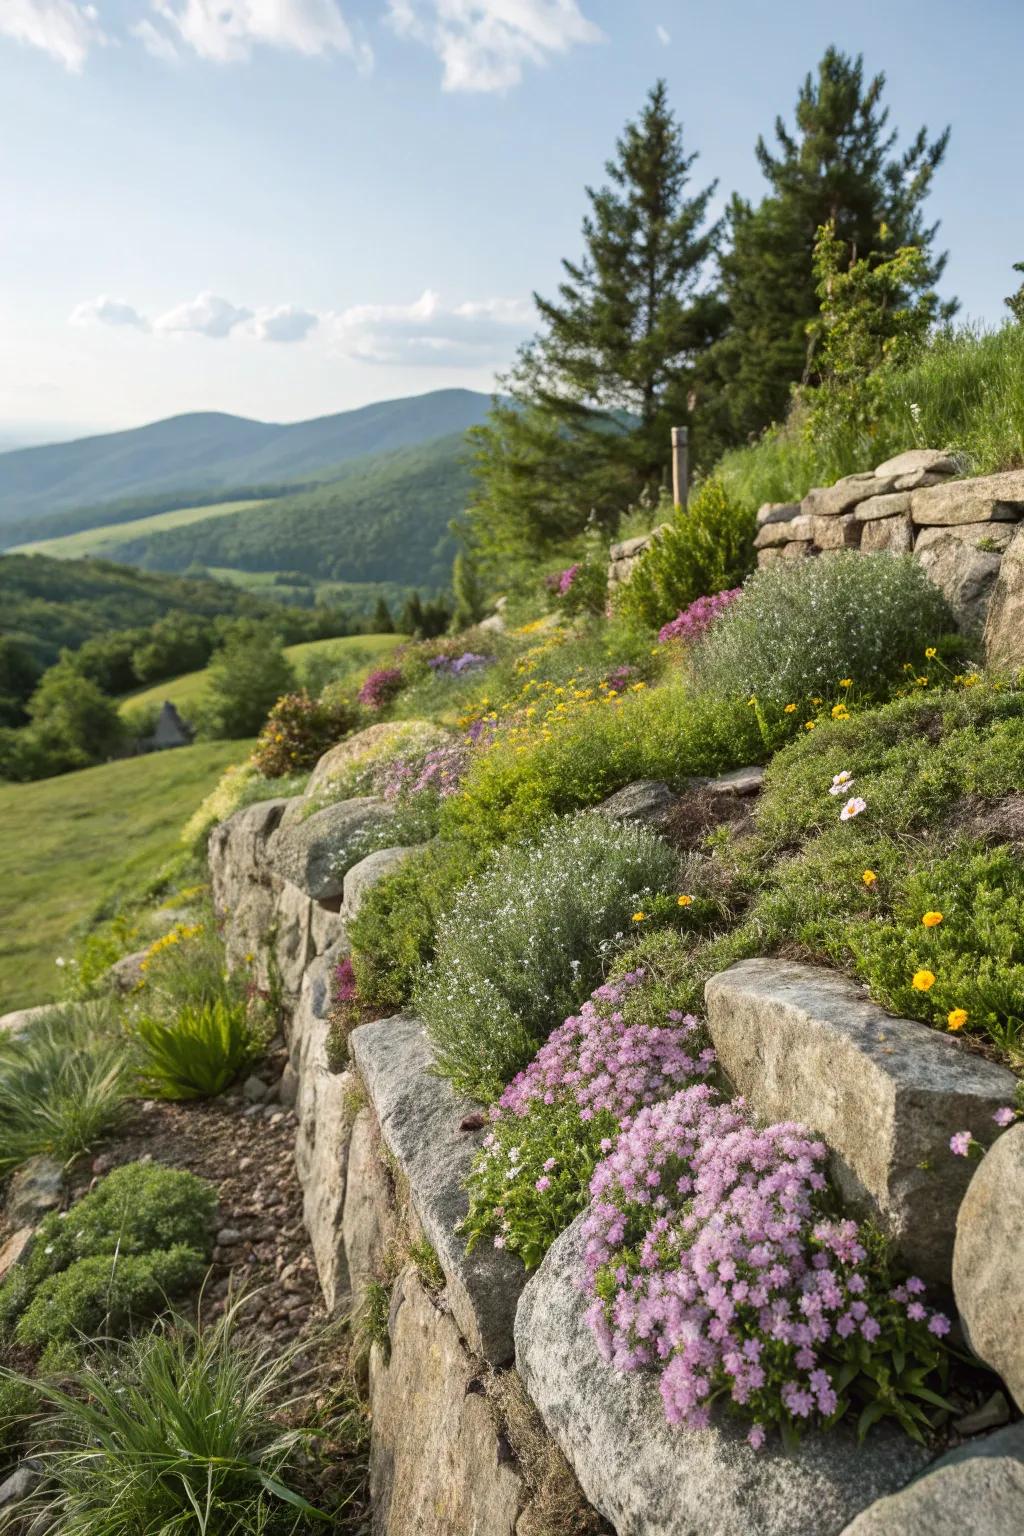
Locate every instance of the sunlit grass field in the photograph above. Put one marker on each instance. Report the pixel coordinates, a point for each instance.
(103, 543)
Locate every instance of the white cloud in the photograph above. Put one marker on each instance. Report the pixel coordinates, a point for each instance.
(664, 36)
(484, 45)
(108, 311)
(286, 323)
(429, 332)
(65, 29)
(206, 315)
(227, 30)
(155, 42)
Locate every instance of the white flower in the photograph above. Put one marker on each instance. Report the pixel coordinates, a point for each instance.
(60, 961)
(852, 808)
(841, 783)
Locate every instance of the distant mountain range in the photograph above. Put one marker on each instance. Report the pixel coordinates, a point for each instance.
(210, 454)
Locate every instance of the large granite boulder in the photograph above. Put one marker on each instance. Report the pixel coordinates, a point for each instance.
(371, 1224)
(988, 1260)
(316, 852)
(376, 742)
(986, 499)
(964, 566)
(886, 1094)
(438, 1463)
(433, 1134)
(362, 877)
(649, 1479)
(237, 850)
(976, 1490)
(1004, 630)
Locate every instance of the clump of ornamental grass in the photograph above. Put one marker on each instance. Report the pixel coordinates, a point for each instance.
(803, 626)
(714, 1254)
(526, 941)
(63, 1085)
(185, 1429)
(558, 1116)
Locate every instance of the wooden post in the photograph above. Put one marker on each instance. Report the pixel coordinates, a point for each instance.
(680, 465)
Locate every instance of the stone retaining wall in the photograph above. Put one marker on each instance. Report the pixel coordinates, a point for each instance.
(492, 1412)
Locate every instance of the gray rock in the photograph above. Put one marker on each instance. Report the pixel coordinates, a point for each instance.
(1004, 628)
(976, 1490)
(327, 927)
(316, 853)
(325, 1112)
(888, 536)
(362, 877)
(915, 461)
(420, 1116)
(292, 935)
(804, 1043)
(883, 506)
(988, 1260)
(437, 1466)
(648, 800)
(990, 498)
(13, 1250)
(777, 512)
(21, 1483)
(36, 1188)
(494, 624)
(740, 781)
(993, 1413)
(777, 533)
(249, 930)
(370, 1224)
(127, 973)
(800, 549)
(21, 1019)
(649, 1479)
(964, 574)
(229, 1237)
(288, 1087)
(842, 532)
(833, 500)
(237, 850)
(254, 1089)
(376, 741)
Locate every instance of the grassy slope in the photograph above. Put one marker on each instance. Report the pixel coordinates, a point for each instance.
(103, 542)
(67, 844)
(185, 690)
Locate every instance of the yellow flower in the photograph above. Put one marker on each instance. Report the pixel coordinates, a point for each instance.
(815, 701)
(808, 725)
(931, 653)
(840, 712)
(869, 877)
(685, 901)
(922, 980)
(932, 919)
(790, 709)
(638, 917)
(956, 1018)
(846, 682)
(638, 686)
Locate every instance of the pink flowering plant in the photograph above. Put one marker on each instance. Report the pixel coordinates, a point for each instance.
(438, 772)
(715, 1255)
(691, 622)
(381, 687)
(559, 1115)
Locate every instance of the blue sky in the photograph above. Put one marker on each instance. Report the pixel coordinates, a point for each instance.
(289, 207)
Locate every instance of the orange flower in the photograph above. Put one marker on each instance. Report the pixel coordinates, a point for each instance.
(685, 901)
(956, 1018)
(922, 981)
(932, 919)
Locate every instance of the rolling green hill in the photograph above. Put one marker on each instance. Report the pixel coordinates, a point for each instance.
(216, 453)
(102, 543)
(46, 604)
(70, 844)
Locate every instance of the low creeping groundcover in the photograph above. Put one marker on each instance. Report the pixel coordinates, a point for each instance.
(715, 1254)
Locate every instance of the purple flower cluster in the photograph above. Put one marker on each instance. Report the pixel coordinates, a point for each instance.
(708, 1255)
(605, 1063)
(621, 677)
(691, 622)
(561, 581)
(455, 666)
(380, 687)
(344, 988)
(440, 770)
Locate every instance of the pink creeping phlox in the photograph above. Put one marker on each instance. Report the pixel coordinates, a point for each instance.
(442, 770)
(691, 622)
(708, 1257)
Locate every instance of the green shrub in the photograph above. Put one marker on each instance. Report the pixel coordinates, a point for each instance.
(525, 941)
(142, 1211)
(198, 1052)
(183, 1430)
(707, 547)
(63, 1085)
(596, 747)
(802, 626)
(244, 681)
(299, 730)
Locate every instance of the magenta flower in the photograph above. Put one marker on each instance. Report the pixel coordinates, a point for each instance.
(960, 1144)
(692, 622)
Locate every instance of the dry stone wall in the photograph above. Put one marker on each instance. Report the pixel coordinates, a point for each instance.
(492, 1412)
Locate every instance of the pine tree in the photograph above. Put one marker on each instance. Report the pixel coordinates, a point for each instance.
(1015, 302)
(838, 167)
(468, 592)
(584, 425)
(383, 623)
(412, 618)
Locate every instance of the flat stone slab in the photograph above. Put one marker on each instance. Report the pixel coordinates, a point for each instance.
(989, 498)
(648, 800)
(740, 781)
(315, 853)
(832, 500)
(777, 512)
(419, 1116)
(976, 1490)
(803, 1043)
(883, 506)
(21, 1019)
(649, 1479)
(988, 1260)
(782, 531)
(932, 461)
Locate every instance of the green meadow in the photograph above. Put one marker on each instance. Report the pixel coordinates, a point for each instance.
(104, 542)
